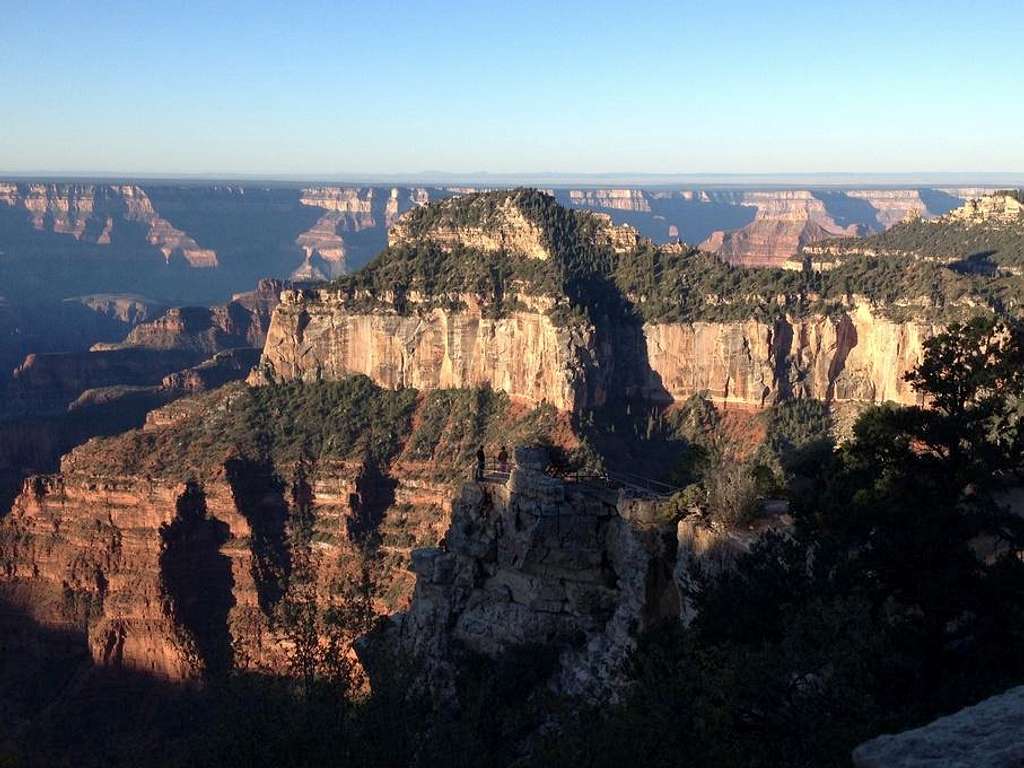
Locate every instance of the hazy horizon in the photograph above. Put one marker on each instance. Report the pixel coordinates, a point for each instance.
(349, 90)
(552, 179)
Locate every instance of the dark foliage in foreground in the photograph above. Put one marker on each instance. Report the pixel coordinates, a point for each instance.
(900, 597)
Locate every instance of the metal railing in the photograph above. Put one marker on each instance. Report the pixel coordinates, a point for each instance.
(633, 484)
(493, 471)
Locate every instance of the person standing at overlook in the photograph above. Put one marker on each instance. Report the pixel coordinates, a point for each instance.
(480, 459)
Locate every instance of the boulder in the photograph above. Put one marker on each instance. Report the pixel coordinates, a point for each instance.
(987, 735)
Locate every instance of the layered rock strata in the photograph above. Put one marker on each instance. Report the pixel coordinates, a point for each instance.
(894, 205)
(784, 223)
(91, 214)
(224, 367)
(333, 245)
(48, 383)
(178, 578)
(764, 227)
(198, 244)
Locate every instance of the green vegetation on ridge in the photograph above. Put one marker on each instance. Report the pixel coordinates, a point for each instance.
(282, 424)
(672, 284)
(945, 240)
(443, 273)
(279, 424)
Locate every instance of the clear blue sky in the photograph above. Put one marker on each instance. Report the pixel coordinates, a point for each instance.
(327, 88)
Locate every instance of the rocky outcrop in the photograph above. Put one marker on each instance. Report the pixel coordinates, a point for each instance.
(987, 735)
(621, 238)
(989, 210)
(319, 335)
(506, 228)
(536, 562)
(125, 308)
(223, 367)
(242, 322)
(205, 329)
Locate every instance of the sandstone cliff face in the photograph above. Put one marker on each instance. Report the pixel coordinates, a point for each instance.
(616, 199)
(168, 549)
(314, 335)
(858, 357)
(347, 210)
(322, 243)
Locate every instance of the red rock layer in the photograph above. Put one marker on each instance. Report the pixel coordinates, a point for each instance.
(95, 555)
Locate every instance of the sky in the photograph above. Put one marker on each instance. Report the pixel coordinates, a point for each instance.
(329, 89)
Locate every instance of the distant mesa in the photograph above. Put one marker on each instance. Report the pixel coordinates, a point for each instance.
(202, 243)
